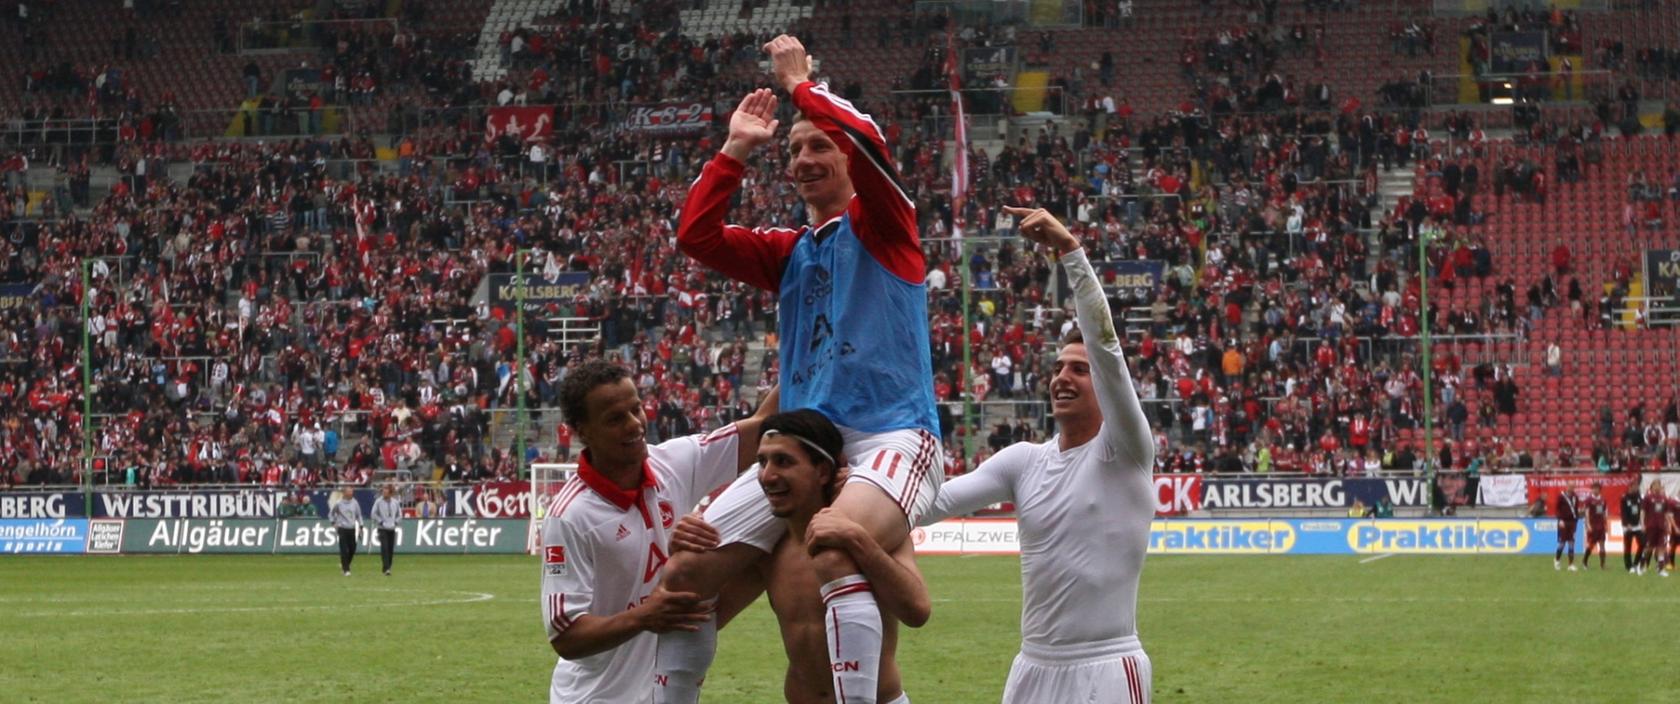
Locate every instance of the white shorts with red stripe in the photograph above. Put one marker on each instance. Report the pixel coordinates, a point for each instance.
(1111, 672)
(909, 465)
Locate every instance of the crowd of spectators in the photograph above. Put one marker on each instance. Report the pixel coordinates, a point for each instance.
(294, 312)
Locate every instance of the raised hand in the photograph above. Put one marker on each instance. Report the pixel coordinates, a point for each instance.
(753, 124)
(788, 61)
(1038, 225)
(770, 404)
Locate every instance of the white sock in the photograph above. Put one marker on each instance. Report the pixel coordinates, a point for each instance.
(853, 622)
(682, 662)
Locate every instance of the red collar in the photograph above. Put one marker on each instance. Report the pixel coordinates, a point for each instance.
(620, 497)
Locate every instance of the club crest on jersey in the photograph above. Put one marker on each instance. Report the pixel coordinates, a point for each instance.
(667, 514)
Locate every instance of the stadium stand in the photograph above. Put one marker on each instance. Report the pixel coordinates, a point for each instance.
(253, 277)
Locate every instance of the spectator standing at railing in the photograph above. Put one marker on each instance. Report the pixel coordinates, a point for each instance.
(309, 439)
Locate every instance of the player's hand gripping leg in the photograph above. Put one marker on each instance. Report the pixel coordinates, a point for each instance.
(685, 656)
(853, 619)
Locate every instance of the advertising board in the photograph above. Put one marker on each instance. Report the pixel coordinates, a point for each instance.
(42, 536)
(294, 536)
(1331, 536)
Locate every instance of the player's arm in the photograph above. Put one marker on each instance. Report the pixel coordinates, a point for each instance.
(693, 534)
(714, 459)
(746, 451)
(883, 216)
(990, 483)
(894, 578)
(568, 593)
(663, 611)
(1125, 429)
(752, 256)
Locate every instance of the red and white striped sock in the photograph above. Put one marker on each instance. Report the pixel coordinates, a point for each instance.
(853, 622)
(682, 661)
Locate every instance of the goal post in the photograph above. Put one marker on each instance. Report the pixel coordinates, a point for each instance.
(547, 478)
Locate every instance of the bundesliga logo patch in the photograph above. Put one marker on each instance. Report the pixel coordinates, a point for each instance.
(554, 559)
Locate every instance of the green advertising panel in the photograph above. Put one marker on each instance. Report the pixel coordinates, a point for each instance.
(298, 536)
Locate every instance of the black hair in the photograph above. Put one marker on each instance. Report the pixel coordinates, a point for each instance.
(815, 428)
(810, 425)
(582, 379)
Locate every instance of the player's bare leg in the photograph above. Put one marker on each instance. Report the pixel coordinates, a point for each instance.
(685, 656)
(854, 618)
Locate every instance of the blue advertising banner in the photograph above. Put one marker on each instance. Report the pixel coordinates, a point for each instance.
(1662, 272)
(249, 503)
(1310, 493)
(1515, 52)
(15, 295)
(481, 500)
(1132, 278)
(1331, 536)
(1662, 280)
(23, 504)
(64, 536)
(540, 291)
(1402, 492)
(323, 499)
(1347, 536)
(444, 536)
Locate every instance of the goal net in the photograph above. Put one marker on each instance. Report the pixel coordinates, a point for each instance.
(546, 480)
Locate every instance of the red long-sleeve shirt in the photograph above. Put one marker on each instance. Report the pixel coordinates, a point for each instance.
(881, 212)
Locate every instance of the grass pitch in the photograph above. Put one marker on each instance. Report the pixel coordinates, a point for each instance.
(467, 629)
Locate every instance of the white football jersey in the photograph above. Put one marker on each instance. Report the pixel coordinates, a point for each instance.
(604, 549)
(1083, 514)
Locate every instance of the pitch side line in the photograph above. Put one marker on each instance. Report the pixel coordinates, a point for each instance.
(1359, 600)
(468, 598)
(1374, 558)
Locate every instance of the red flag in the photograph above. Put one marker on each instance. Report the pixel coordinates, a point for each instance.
(525, 123)
(959, 160)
